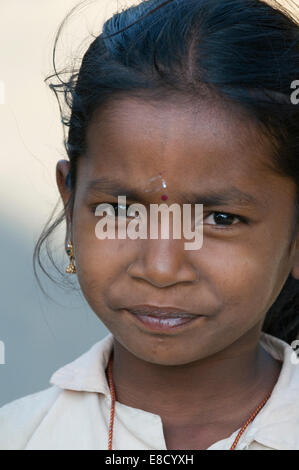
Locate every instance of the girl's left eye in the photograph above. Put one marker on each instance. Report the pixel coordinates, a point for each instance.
(225, 219)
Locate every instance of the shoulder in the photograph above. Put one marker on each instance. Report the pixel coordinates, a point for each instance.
(20, 418)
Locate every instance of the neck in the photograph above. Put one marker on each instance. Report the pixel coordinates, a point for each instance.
(209, 388)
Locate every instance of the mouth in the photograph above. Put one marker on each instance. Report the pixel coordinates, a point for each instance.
(162, 318)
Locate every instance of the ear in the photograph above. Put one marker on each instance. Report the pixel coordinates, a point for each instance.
(295, 268)
(62, 171)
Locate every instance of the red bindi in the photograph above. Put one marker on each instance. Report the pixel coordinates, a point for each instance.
(164, 197)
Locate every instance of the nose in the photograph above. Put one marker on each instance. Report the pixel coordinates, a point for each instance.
(163, 263)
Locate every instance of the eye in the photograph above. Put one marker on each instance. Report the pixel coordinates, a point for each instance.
(224, 219)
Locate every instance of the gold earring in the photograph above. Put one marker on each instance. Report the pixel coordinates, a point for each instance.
(71, 268)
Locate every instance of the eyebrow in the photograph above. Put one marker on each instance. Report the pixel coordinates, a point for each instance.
(230, 195)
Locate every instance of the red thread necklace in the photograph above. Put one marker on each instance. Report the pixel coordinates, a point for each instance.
(112, 411)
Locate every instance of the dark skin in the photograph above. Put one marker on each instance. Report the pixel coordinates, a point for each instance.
(205, 379)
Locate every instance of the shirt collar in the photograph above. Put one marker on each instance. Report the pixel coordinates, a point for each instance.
(277, 424)
(87, 372)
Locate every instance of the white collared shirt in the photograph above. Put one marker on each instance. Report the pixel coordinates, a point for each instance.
(74, 412)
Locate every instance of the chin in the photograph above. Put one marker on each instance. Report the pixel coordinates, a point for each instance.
(160, 353)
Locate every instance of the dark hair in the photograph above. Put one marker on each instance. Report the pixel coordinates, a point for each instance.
(241, 52)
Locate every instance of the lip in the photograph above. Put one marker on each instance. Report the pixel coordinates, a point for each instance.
(164, 319)
(160, 311)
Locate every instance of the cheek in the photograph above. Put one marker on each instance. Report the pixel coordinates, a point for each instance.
(242, 276)
(96, 259)
(101, 264)
(98, 264)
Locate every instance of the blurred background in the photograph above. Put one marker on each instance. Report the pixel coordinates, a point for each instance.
(39, 334)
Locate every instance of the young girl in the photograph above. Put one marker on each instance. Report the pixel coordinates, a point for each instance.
(181, 102)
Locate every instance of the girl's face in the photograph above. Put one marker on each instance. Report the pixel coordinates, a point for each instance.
(237, 274)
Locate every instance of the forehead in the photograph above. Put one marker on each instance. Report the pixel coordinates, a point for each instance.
(135, 136)
(202, 151)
